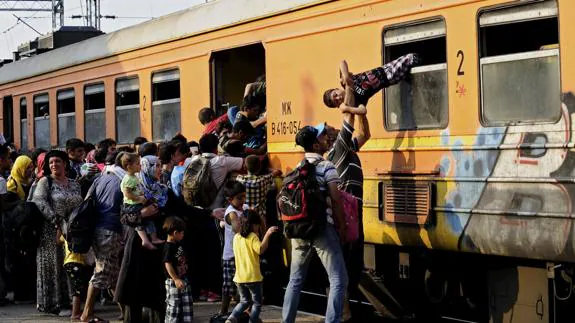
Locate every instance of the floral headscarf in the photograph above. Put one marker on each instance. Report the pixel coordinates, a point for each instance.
(150, 185)
(18, 176)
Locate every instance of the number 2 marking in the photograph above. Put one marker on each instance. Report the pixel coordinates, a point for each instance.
(462, 58)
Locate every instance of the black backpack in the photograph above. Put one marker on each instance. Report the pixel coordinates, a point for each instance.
(21, 226)
(301, 204)
(79, 231)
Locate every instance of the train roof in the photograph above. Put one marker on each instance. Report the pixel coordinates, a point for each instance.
(195, 20)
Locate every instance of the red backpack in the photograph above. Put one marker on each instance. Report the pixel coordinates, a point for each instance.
(301, 204)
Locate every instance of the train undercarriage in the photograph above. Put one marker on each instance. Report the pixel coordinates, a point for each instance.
(418, 285)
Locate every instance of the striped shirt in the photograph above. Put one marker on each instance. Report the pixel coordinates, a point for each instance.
(344, 156)
(326, 174)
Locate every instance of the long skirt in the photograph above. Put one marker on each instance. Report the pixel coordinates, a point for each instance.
(52, 293)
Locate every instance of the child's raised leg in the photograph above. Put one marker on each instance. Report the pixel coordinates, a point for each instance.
(151, 230)
(146, 243)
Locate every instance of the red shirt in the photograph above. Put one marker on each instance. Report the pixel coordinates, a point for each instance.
(213, 126)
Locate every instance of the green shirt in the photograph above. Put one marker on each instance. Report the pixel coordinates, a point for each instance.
(130, 183)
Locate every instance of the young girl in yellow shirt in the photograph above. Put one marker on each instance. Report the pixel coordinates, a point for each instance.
(248, 277)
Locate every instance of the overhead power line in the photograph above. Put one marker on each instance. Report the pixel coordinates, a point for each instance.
(56, 7)
(25, 23)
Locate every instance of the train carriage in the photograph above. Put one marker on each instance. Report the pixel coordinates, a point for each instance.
(469, 175)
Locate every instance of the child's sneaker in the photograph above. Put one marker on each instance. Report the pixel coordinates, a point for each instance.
(213, 297)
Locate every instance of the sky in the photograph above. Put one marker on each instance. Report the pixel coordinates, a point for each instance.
(129, 12)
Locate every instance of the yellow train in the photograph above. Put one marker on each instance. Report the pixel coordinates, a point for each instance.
(469, 184)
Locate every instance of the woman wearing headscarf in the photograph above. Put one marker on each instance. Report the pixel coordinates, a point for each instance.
(19, 180)
(150, 180)
(39, 173)
(141, 279)
(56, 197)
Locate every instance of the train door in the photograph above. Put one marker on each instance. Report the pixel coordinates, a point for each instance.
(8, 118)
(231, 71)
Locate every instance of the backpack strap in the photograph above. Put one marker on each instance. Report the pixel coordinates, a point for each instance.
(50, 186)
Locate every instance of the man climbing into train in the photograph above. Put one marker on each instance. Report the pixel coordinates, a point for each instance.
(344, 147)
(364, 85)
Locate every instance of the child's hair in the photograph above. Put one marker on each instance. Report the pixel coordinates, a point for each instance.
(234, 148)
(234, 188)
(129, 159)
(174, 224)
(251, 217)
(253, 164)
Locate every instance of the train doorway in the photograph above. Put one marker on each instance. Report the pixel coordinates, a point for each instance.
(8, 118)
(231, 71)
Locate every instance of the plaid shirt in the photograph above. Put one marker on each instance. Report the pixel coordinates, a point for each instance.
(368, 83)
(257, 188)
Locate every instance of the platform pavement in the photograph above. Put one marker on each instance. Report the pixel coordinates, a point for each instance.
(202, 314)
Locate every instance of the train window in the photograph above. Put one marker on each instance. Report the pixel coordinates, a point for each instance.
(8, 117)
(127, 109)
(419, 101)
(519, 64)
(165, 104)
(23, 124)
(94, 113)
(66, 116)
(42, 121)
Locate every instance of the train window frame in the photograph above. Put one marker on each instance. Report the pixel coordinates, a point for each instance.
(436, 29)
(63, 136)
(126, 107)
(167, 75)
(508, 15)
(89, 112)
(40, 137)
(24, 123)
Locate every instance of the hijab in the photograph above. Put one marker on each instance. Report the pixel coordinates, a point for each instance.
(40, 165)
(18, 176)
(150, 185)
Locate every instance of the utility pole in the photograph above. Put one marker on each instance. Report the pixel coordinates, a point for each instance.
(93, 14)
(57, 14)
(56, 7)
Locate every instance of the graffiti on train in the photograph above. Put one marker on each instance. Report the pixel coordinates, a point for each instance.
(515, 202)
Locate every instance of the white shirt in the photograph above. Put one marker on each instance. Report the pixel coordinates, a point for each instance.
(221, 166)
(229, 232)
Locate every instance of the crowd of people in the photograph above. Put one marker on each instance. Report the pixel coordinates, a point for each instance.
(183, 220)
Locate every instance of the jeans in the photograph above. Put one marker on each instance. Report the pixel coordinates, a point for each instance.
(327, 246)
(249, 293)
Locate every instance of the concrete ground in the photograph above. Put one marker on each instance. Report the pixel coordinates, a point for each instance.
(202, 314)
